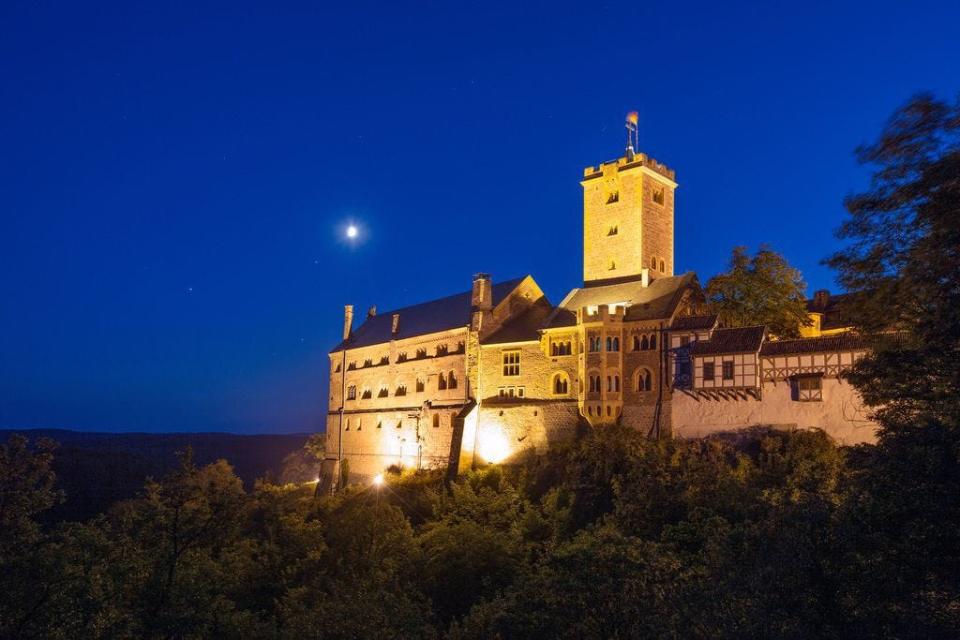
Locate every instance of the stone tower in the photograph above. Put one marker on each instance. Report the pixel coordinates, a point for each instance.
(627, 219)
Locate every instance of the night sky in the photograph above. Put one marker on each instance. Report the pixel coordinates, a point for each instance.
(175, 181)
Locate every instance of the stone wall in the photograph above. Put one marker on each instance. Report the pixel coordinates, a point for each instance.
(841, 413)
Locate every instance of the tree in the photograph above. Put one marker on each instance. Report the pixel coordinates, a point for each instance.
(763, 289)
(902, 263)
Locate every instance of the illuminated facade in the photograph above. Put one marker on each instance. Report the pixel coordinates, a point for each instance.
(483, 375)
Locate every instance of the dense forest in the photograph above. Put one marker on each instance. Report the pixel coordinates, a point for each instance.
(765, 533)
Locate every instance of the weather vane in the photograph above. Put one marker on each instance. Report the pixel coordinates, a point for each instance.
(633, 133)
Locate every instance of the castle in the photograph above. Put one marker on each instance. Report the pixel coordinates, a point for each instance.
(482, 375)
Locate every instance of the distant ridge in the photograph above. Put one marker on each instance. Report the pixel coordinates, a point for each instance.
(97, 468)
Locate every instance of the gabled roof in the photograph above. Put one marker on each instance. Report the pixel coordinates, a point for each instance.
(831, 306)
(525, 327)
(694, 323)
(736, 340)
(560, 317)
(655, 301)
(434, 316)
(841, 342)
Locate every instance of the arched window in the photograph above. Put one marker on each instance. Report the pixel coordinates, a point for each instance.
(561, 384)
(419, 385)
(590, 409)
(653, 341)
(653, 263)
(553, 349)
(441, 382)
(616, 344)
(644, 343)
(616, 383)
(644, 380)
(451, 381)
(636, 343)
(609, 383)
(436, 421)
(663, 266)
(609, 343)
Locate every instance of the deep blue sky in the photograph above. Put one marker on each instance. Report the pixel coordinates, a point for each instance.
(174, 180)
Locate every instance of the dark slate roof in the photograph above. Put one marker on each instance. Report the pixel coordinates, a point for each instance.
(694, 323)
(840, 342)
(525, 327)
(560, 318)
(655, 301)
(738, 340)
(831, 310)
(424, 318)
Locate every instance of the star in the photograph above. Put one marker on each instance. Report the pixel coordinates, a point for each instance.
(352, 231)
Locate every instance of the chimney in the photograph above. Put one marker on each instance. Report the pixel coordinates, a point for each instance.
(395, 326)
(371, 312)
(481, 301)
(820, 298)
(347, 321)
(645, 277)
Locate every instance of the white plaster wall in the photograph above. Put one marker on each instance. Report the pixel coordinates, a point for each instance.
(841, 413)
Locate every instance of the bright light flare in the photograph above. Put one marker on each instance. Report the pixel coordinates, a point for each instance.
(378, 480)
(352, 231)
(493, 446)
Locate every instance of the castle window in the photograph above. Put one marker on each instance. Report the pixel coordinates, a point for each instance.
(653, 263)
(613, 230)
(561, 348)
(351, 366)
(590, 410)
(442, 350)
(399, 424)
(612, 266)
(616, 383)
(609, 410)
(421, 353)
(360, 424)
(636, 343)
(609, 384)
(402, 356)
(511, 363)
(420, 386)
(385, 360)
(461, 347)
(653, 341)
(644, 343)
(663, 266)
(807, 389)
(436, 421)
(401, 390)
(366, 395)
(380, 425)
(613, 197)
(368, 362)
(383, 392)
(351, 392)
(658, 195)
(728, 369)
(708, 371)
(347, 428)
(595, 343)
(643, 380)
(561, 384)
(451, 381)
(337, 370)
(441, 382)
